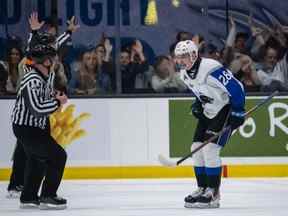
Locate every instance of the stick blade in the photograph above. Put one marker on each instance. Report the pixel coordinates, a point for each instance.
(165, 162)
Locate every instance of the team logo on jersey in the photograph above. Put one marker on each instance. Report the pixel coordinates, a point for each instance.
(205, 99)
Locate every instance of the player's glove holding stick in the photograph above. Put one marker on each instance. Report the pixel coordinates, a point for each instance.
(236, 119)
(197, 109)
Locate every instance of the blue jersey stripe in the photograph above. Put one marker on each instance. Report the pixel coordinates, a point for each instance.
(233, 86)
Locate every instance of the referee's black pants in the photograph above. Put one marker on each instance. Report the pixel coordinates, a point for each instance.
(45, 158)
(19, 163)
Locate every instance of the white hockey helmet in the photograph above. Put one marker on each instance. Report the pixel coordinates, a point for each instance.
(187, 47)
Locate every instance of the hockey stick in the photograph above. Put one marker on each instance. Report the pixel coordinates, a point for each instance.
(165, 162)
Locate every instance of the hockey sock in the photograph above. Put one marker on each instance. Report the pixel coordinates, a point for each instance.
(213, 177)
(201, 176)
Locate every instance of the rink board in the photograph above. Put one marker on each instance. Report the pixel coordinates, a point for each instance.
(126, 135)
(228, 171)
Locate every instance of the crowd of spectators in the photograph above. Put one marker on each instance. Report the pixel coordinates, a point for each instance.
(258, 58)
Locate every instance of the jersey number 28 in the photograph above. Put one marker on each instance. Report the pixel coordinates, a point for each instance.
(225, 77)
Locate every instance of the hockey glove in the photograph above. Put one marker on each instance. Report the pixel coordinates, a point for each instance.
(236, 119)
(197, 109)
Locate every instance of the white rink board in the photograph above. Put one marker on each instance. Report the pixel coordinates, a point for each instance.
(121, 132)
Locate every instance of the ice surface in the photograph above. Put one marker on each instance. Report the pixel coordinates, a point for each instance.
(160, 197)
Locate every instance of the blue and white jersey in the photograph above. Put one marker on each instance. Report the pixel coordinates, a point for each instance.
(215, 86)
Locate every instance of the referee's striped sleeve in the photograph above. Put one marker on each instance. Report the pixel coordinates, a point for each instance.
(62, 39)
(36, 103)
(31, 39)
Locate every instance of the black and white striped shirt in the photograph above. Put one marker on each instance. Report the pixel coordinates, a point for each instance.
(35, 101)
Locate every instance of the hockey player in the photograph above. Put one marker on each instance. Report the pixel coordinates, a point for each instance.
(220, 100)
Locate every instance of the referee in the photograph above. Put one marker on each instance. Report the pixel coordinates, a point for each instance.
(36, 36)
(35, 102)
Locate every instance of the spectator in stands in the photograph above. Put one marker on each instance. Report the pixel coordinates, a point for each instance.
(132, 62)
(60, 82)
(199, 40)
(3, 79)
(272, 70)
(265, 67)
(62, 54)
(14, 56)
(279, 75)
(88, 80)
(165, 79)
(143, 81)
(243, 69)
(84, 81)
(183, 35)
(236, 43)
(104, 66)
(240, 43)
(211, 51)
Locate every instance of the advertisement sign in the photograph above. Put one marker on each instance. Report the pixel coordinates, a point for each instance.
(264, 133)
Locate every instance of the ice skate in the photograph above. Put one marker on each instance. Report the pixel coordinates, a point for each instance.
(15, 192)
(209, 199)
(191, 199)
(53, 203)
(31, 204)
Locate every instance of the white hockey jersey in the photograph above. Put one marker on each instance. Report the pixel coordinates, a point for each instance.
(215, 86)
